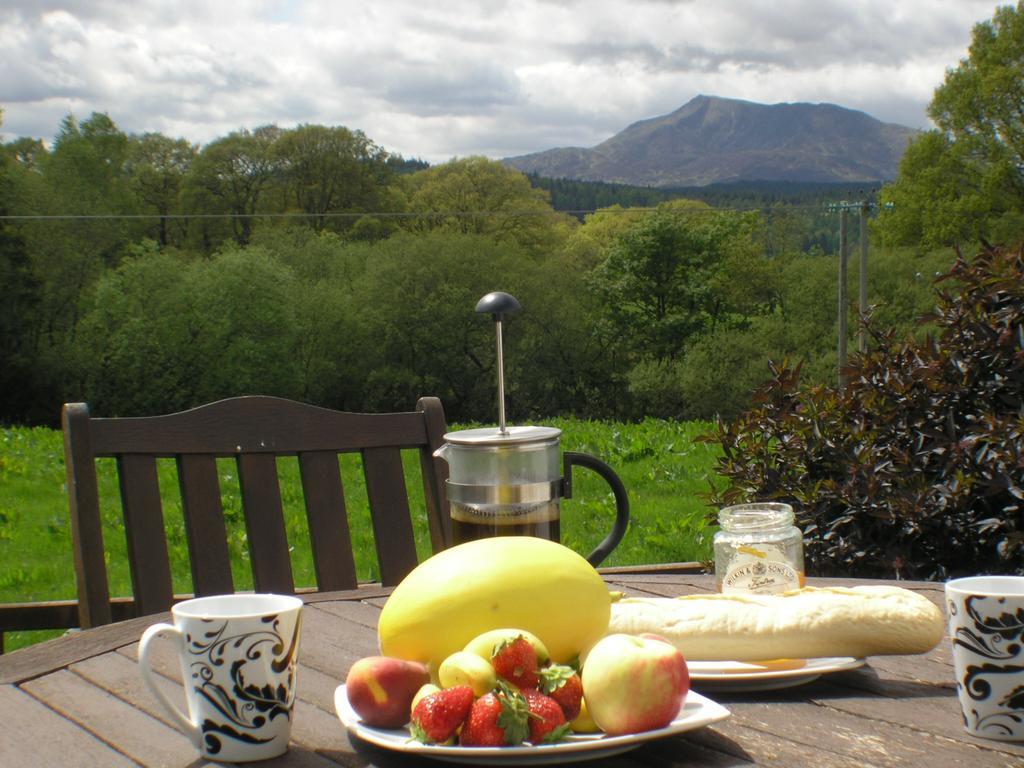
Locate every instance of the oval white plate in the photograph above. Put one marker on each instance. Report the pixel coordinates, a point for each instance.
(765, 676)
(696, 712)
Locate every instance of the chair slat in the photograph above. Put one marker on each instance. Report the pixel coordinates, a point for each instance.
(204, 525)
(86, 527)
(264, 523)
(435, 473)
(389, 510)
(144, 528)
(328, 522)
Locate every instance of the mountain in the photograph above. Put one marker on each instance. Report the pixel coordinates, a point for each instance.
(715, 140)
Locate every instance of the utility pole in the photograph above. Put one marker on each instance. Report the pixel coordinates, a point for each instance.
(862, 336)
(843, 310)
(843, 258)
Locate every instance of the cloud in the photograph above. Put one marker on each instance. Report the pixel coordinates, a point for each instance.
(435, 80)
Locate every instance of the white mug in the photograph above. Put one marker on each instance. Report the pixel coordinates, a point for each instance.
(238, 662)
(986, 626)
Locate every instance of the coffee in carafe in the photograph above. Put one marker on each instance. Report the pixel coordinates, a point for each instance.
(470, 524)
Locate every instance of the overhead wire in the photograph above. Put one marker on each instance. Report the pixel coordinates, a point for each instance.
(710, 210)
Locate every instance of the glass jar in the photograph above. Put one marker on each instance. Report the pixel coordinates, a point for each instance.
(758, 549)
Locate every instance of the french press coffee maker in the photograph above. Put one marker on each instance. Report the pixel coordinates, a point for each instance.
(507, 481)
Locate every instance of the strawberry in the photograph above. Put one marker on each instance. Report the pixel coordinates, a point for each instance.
(437, 716)
(563, 684)
(496, 720)
(515, 660)
(547, 721)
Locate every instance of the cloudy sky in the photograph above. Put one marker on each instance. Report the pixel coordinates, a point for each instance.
(433, 79)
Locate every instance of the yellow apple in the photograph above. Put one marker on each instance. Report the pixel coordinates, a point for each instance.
(425, 690)
(465, 668)
(584, 723)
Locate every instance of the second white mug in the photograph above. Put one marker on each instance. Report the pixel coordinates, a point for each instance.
(986, 626)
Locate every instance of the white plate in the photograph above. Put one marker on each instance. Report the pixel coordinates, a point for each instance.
(764, 675)
(696, 712)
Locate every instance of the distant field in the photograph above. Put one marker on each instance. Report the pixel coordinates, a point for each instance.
(664, 469)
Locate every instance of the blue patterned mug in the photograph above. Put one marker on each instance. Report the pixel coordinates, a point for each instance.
(986, 626)
(238, 661)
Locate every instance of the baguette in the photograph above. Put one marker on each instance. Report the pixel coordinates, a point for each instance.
(807, 623)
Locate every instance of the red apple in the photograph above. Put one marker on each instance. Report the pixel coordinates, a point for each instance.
(380, 689)
(634, 683)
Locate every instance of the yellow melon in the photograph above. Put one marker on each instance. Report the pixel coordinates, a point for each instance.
(507, 581)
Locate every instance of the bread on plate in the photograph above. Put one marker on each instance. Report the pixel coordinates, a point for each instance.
(806, 623)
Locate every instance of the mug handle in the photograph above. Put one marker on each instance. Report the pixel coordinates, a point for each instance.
(612, 540)
(185, 724)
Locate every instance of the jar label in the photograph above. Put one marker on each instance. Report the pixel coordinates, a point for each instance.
(761, 576)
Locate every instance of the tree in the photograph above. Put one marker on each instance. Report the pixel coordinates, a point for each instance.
(662, 281)
(329, 170)
(475, 195)
(83, 179)
(164, 333)
(230, 176)
(246, 324)
(156, 166)
(716, 376)
(964, 181)
(19, 298)
(329, 356)
(783, 230)
(937, 201)
(590, 242)
(85, 174)
(420, 334)
(138, 340)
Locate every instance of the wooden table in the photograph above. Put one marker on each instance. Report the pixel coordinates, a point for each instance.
(79, 700)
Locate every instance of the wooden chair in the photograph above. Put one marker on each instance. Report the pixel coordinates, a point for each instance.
(254, 431)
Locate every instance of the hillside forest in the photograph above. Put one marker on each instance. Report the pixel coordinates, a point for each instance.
(145, 274)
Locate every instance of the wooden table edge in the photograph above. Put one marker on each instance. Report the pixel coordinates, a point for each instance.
(50, 655)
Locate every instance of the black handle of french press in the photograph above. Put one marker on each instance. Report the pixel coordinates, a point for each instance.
(612, 540)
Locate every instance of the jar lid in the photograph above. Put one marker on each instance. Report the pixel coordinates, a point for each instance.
(513, 436)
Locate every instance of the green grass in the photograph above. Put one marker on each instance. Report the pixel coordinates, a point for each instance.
(665, 470)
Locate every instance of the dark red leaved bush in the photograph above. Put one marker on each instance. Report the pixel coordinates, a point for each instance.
(916, 468)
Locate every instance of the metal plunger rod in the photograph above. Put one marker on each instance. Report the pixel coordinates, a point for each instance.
(498, 304)
(501, 383)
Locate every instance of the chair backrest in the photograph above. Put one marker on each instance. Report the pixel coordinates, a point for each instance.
(253, 431)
